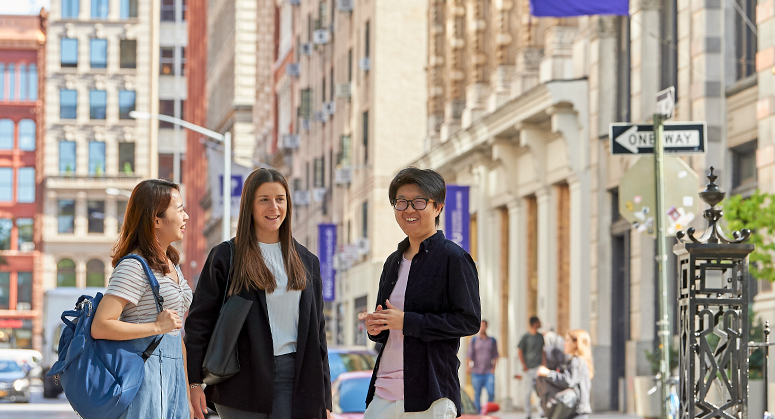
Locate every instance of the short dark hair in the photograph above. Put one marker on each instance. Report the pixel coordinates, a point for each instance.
(534, 320)
(429, 182)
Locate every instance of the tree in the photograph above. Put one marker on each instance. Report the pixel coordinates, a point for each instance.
(756, 213)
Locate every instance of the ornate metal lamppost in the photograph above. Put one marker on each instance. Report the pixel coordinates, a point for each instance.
(713, 316)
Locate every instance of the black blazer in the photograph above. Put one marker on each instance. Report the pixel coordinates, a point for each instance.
(252, 388)
(441, 305)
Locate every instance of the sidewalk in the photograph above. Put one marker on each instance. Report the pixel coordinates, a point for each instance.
(602, 415)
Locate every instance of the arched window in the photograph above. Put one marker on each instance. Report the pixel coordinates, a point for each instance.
(66, 273)
(95, 273)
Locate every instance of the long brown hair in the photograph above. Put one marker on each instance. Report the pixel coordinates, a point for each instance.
(149, 199)
(250, 271)
(583, 348)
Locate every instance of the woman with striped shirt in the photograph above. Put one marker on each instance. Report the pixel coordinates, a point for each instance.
(154, 219)
(282, 345)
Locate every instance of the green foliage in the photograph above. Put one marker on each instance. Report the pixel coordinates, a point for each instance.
(756, 213)
(755, 334)
(655, 358)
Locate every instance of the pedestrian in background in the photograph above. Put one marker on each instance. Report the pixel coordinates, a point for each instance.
(576, 376)
(554, 346)
(531, 354)
(282, 349)
(154, 219)
(428, 299)
(482, 358)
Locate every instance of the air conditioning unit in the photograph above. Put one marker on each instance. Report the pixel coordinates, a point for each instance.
(300, 198)
(321, 116)
(343, 90)
(343, 176)
(306, 48)
(27, 246)
(365, 64)
(320, 36)
(344, 5)
(363, 246)
(329, 107)
(293, 69)
(294, 2)
(319, 194)
(305, 123)
(291, 141)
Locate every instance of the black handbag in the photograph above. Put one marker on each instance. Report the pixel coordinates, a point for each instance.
(221, 359)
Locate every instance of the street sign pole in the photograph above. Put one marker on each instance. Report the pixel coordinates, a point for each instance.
(664, 311)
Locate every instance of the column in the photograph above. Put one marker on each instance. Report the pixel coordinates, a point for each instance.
(503, 57)
(644, 18)
(765, 109)
(547, 310)
(517, 315)
(81, 222)
(557, 63)
(455, 72)
(477, 88)
(579, 255)
(436, 56)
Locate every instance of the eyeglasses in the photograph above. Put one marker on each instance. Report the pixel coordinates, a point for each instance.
(418, 203)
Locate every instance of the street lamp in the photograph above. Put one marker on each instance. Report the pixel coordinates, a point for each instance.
(117, 192)
(226, 140)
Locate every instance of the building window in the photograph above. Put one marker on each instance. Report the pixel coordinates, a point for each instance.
(5, 290)
(6, 225)
(745, 39)
(98, 103)
(96, 158)
(68, 52)
(623, 71)
(11, 82)
(168, 10)
(365, 219)
(24, 290)
(128, 53)
(68, 101)
(33, 82)
(367, 40)
(23, 83)
(99, 9)
(66, 216)
(25, 230)
(744, 165)
(126, 158)
(166, 166)
(95, 273)
(98, 57)
(27, 135)
(126, 103)
(343, 158)
(167, 61)
(66, 157)
(120, 212)
(128, 9)
(70, 9)
(306, 103)
(2, 81)
(66, 273)
(365, 123)
(350, 65)
(318, 181)
(6, 134)
(6, 184)
(167, 107)
(26, 185)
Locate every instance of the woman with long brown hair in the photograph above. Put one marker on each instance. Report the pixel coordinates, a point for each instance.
(575, 375)
(154, 219)
(282, 349)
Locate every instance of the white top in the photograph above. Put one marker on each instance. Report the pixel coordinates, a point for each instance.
(282, 305)
(129, 282)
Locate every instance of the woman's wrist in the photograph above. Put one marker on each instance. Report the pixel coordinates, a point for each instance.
(195, 385)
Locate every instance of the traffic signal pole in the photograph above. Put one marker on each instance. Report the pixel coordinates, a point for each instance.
(664, 310)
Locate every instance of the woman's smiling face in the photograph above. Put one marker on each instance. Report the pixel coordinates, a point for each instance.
(269, 209)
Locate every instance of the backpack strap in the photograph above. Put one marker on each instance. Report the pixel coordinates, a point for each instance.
(156, 296)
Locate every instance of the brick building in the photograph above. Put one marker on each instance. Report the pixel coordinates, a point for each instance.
(22, 75)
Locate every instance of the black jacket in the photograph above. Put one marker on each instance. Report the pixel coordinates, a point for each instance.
(441, 305)
(252, 388)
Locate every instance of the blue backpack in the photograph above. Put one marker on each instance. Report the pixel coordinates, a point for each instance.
(100, 377)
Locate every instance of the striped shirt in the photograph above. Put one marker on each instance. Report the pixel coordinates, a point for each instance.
(282, 305)
(129, 282)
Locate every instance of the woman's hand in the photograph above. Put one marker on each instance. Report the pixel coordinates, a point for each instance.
(385, 319)
(167, 321)
(198, 402)
(543, 371)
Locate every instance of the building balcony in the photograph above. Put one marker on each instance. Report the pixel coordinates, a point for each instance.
(92, 182)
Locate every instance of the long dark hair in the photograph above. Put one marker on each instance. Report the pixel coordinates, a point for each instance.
(149, 199)
(250, 271)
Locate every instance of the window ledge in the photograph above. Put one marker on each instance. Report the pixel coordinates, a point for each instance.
(742, 84)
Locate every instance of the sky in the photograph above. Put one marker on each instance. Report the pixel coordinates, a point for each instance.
(22, 7)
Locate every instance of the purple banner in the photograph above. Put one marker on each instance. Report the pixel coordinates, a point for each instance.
(457, 219)
(568, 8)
(326, 249)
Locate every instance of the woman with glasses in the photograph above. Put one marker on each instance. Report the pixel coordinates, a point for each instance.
(428, 299)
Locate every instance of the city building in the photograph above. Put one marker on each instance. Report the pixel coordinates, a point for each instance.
(102, 62)
(519, 109)
(22, 90)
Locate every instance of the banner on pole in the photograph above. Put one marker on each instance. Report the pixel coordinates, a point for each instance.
(215, 168)
(457, 219)
(569, 8)
(326, 249)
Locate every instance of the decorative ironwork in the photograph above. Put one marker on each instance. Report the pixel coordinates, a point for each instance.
(713, 309)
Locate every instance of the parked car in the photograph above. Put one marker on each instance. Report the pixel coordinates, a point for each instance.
(14, 383)
(347, 359)
(349, 401)
(29, 359)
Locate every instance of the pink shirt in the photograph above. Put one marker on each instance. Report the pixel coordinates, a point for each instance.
(390, 377)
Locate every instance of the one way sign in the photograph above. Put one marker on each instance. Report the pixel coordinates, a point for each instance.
(679, 138)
